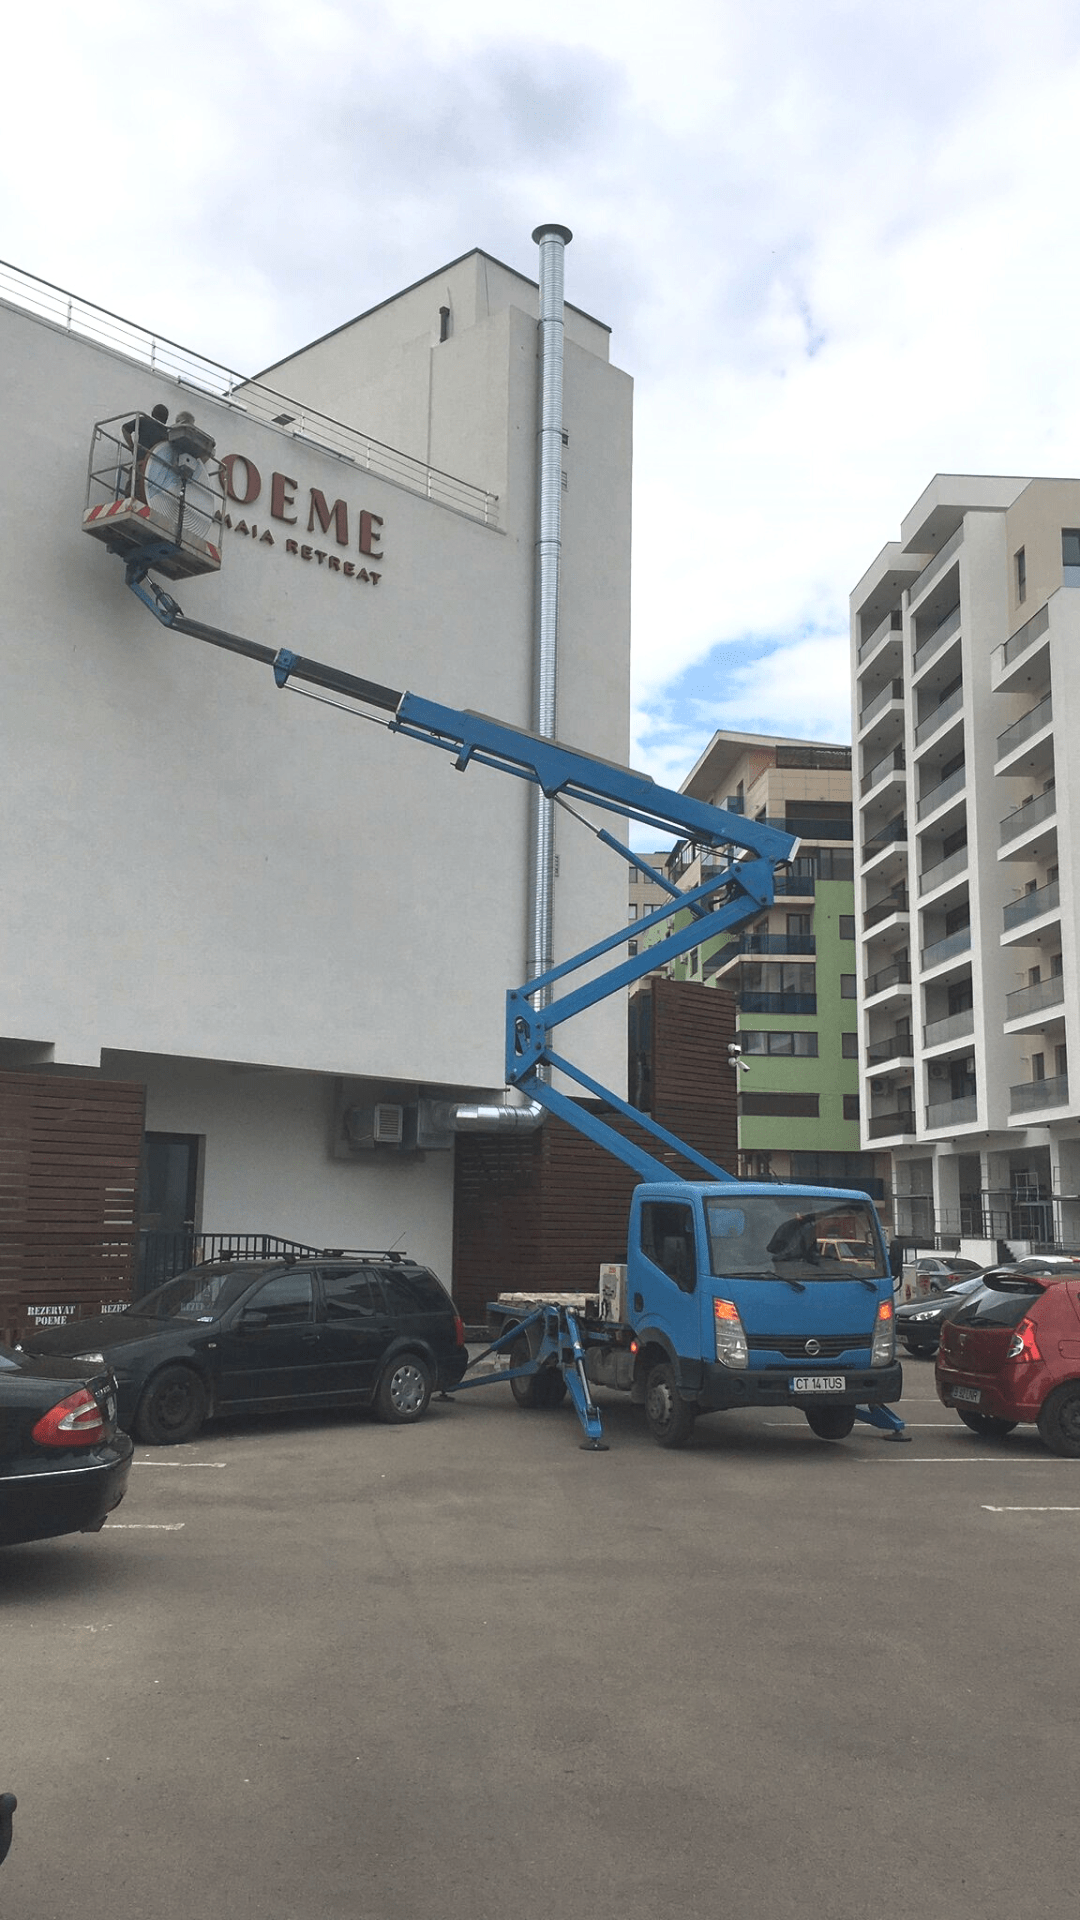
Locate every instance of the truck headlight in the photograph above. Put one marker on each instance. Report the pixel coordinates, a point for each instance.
(731, 1347)
(883, 1349)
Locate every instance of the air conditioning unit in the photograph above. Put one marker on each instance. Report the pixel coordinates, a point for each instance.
(939, 1070)
(884, 1085)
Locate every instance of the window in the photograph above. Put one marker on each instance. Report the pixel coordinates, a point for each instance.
(285, 1300)
(1070, 546)
(1061, 1061)
(694, 961)
(953, 842)
(781, 1106)
(958, 918)
(632, 914)
(352, 1295)
(847, 926)
(851, 1106)
(801, 1046)
(631, 948)
(847, 986)
(960, 997)
(849, 1046)
(667, 1239)
(798, 923)
(1038, 1066)
(1020, 562)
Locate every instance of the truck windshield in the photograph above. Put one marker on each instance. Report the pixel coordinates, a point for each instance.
(793, 1237)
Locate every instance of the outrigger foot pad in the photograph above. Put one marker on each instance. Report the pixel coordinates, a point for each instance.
(594, 1446)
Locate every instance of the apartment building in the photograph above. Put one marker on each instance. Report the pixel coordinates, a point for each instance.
(792, 972)
(964, 635)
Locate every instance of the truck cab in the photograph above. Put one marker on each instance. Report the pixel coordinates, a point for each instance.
(739, 1294)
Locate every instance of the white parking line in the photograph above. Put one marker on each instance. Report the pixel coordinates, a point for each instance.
(179, 1463)
(987, 1509)
(971, 1460)
(146, 1526)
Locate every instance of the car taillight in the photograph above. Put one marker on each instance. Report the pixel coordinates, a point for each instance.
(731, 1346)
(459, 1330)
(1023, 1345)
(883, 1349)
(74, 1422)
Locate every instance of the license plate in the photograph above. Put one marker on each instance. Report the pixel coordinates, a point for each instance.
(971, 1395)
(816, 1383)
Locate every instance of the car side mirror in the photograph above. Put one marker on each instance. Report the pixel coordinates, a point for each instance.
(252, 1318)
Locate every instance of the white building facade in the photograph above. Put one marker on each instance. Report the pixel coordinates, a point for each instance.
(964, 642)
(269, 913)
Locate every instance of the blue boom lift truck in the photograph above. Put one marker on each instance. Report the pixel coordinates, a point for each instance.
(732, 1293)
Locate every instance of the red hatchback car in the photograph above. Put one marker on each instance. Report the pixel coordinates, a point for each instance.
(1012, 1354)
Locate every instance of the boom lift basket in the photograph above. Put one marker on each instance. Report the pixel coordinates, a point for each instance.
(154, 493)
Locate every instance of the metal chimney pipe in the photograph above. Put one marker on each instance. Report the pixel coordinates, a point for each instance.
(552, 241)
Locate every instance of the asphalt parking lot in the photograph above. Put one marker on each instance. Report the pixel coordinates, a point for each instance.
(321, 1669)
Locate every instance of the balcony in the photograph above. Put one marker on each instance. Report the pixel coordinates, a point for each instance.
(937, 564)
(899, 1046)
(892, 690)
(885, 909)
(810, 828)
(783, 943)
(1030, 905)
(935, 642)
(898, 975)
(946, 869)
(1031, 722)
(893, 833)
(946, 949)
(1032, 1096)
(895, 1121)
(945, 789)
(1036, 998)
(956, 1026)
(938, 716)
(952, 1113)
(891, 763)
(892, 624)
(798, 885)
(1042, 807)
(1019, 642)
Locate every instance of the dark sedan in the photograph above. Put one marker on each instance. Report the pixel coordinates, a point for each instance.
(364, 1330)
(63, 1464)
(918, 1322)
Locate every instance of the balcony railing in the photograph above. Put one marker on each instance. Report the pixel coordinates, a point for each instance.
(896, 1120)
(890, 624)
(1023, 637)
(898, 975)
(1035, 1094)
(784, 943)
(891, 763)
(937, 796)
(937, 564)
(956, 1027)
(953, 1113)
(1030, 905)
(900, 1046)
(1036, 998)
(893, 830)
(755, 1002)
(932, 645)
(937, 718)
(801, 885)
(946, 869)
(946, 949)
(885, 909)
(1023, 728)
(1042, 807)
(892, 690)
(814, 829)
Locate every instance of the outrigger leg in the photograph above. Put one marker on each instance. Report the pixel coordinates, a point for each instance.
(884, 1417)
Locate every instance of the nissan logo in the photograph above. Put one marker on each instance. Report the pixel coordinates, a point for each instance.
(812, 1346)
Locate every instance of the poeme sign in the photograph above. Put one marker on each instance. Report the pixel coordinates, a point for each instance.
(244, 487)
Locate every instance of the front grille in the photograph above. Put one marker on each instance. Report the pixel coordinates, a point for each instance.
(793, 1345)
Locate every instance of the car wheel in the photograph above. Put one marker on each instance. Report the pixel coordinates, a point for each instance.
(919, 1348)
(830, 1423)
(1059, 1421)
(172, 1409)
(403, 1392)
(670, 1418)
(986, 1425)
(537, 1391)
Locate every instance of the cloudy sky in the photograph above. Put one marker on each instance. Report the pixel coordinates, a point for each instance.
(835, 241)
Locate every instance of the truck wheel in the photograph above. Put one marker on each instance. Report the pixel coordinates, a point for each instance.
(830, 1423)
(1059, 1421)
(172, 1409)
(985, 1424)
(670, 1418)
(538, 1391)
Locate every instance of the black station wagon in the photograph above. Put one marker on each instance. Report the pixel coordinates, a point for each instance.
(333, 1330)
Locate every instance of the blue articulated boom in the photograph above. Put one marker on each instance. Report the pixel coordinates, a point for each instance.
(533, 1011)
